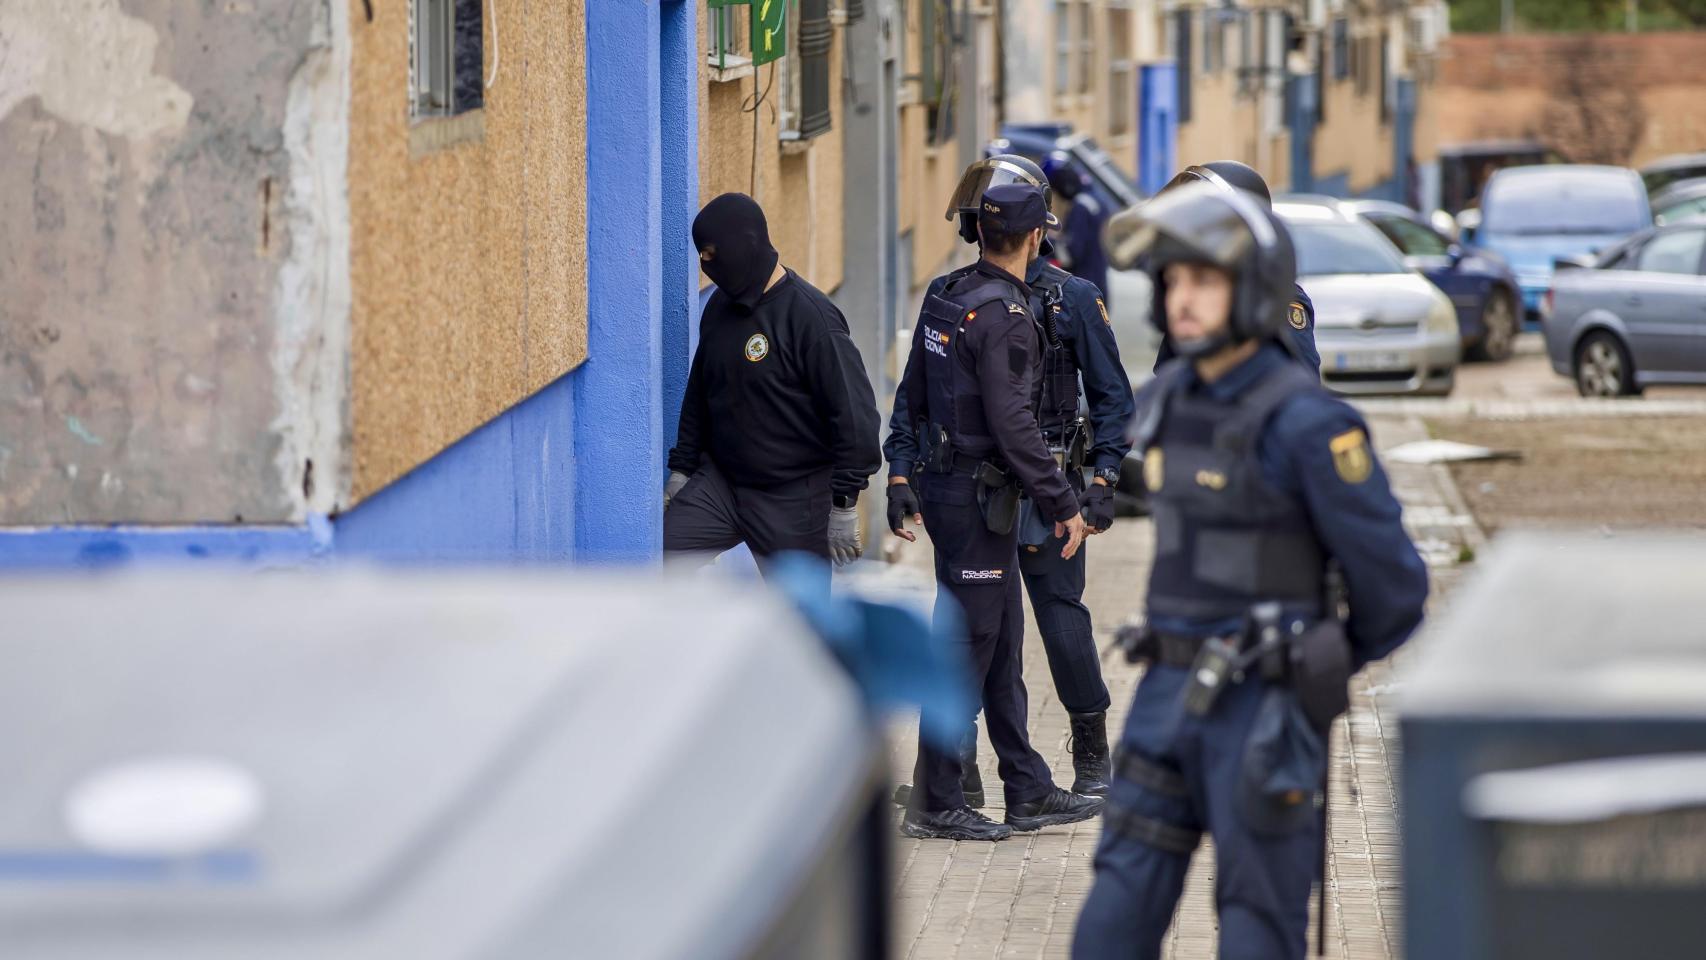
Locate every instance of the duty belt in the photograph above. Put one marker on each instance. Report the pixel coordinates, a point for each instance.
(1174, 650)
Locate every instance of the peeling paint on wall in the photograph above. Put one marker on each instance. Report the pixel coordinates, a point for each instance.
(312, 305)
(141, 257)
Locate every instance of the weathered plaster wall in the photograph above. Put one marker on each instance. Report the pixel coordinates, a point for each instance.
(468, 261)
(152, 198)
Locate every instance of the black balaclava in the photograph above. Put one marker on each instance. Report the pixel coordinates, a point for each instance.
(734, 247)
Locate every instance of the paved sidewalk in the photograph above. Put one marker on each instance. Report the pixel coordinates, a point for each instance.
(1021, 898)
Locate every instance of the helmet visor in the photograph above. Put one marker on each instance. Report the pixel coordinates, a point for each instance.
(982, 175)
(1199, 221)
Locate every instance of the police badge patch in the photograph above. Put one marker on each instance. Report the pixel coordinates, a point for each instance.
(1299, 319)
(1351, 459)
(757, 347)
(1104, 308)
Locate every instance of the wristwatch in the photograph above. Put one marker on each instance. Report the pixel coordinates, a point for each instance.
(1109, 476)
(843, 502)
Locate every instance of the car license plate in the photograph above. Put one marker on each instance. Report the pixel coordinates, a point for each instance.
(1371, 361)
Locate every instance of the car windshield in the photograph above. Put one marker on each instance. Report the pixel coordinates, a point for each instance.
(1553, 203)
(1334, 246)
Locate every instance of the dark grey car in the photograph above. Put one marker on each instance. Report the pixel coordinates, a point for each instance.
(1634, 318)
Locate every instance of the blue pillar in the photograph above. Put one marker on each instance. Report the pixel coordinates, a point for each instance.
(619, 442)
(679, 57)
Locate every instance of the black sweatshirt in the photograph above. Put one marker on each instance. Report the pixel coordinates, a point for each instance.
(778, 392)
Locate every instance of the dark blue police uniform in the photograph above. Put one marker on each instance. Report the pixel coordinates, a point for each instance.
(1261, 481)
(1078, 347)
(968, 380)
(1300, 328)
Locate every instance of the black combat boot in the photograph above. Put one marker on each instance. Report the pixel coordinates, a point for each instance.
(971, 781)
(1089, 746)
(960, 823)
(1056, 807)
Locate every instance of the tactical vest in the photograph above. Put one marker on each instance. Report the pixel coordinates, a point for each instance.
(1055, 393)
(1225, 538)
(954, 398)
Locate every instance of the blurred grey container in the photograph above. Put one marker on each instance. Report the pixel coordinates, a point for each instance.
(1554, 756)
(501, 764)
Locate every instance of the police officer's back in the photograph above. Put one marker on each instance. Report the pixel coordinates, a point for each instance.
(1266, 493)
(968, 386)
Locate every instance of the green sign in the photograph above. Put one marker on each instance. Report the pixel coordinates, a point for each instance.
(769, 30)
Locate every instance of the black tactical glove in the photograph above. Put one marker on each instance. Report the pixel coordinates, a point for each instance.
(903, 505)
(1098, 502)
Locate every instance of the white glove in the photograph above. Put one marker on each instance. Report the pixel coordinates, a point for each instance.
(673, 486)
(845, 543)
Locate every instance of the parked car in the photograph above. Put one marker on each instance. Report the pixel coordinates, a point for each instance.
(1680, 201)
(1380, 326)
(1676, 168)
(1634, 317)
(1112, 188)
(1533, 216)
(1481, 285)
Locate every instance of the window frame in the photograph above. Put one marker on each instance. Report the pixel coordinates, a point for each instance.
(446, 58)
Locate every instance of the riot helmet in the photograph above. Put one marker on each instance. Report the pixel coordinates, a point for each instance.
(1227, 175)
(1229, 229)
(992, 172)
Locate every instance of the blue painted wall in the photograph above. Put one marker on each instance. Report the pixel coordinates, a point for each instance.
(573, 473)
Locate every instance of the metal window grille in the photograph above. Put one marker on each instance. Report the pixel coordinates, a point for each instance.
(1122, 72)
(1086, 46)
(447, 57)
(1062, 49)
(1341, 48)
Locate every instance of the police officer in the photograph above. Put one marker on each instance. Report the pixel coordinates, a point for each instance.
(1083, 222)
(1299, 311)
(1077, 344)
(778, 428)
(975, 353)
(1270, 511)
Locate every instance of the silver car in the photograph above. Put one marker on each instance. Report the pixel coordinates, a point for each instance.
(1380, 326)
(1633, 318)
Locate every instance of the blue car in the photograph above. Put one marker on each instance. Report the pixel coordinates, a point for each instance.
(1481, 286)
(1533, 216)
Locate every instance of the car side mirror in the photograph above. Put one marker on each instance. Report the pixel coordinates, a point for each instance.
(1444, 223)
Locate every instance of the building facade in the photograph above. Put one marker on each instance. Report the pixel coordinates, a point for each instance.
(342, 278)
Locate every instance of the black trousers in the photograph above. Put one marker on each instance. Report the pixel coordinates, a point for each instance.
(711, 515)
(978, 569)
(1056, 588)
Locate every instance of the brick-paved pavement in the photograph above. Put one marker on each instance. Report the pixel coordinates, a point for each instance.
(1021, 898)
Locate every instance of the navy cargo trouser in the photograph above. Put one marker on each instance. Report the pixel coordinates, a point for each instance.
(1190, 771)
(977, 569)
(711, 515)
(1056, 588)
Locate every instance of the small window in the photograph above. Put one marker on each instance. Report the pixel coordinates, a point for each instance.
(1062, 49)
(1341, 48)
(1122, 71)
(727, 33)
(1182, 62)
(1086, 46)
(1387, 87)
(1213, 42)
(448, 57)
(935, 28)
(1676, 252)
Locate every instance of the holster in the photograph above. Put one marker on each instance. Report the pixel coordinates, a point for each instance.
(938, 451)
(997, 497)
(1320, 671)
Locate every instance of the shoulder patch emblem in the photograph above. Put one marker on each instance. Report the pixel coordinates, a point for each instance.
(757, 347)
(1351, 459)
(1154, 469)
(1015, 308)
(1104, 308)
(1299, 319)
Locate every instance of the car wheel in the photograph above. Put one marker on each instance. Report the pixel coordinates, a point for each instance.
(1603, 367)
(1499, 317)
